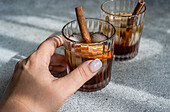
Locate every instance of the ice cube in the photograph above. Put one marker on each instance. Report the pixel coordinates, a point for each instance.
(97, 37)
(76, 37)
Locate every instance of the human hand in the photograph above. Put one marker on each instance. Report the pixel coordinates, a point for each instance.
(34, 89)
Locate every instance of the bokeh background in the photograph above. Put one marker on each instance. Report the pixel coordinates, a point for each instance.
(138, 85)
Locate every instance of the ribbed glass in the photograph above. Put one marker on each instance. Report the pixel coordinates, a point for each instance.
(77, 53)
(128, 27)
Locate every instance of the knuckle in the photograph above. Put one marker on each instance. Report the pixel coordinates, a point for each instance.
(20, 64)
(32, 56)
(58, 39)
(31, 59)
(83, 73)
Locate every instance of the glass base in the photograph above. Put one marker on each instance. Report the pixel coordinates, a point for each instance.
(125, 57)
(95, 87)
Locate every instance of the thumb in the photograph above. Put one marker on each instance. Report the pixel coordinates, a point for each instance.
(73, 81)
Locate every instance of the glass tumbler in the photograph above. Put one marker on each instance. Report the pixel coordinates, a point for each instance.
(128, 27)
(77, 52)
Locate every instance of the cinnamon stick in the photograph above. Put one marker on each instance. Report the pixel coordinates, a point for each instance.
(136, 11)
(138, 7)
(82, 24)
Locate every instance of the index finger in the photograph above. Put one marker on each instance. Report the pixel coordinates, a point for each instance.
(47, 48)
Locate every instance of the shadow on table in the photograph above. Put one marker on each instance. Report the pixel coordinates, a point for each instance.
(151, 77)
(149, 71)
(124, 99)
(12, 45)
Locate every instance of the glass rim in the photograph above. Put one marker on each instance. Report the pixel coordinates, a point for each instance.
(112, 36)
(120, 15)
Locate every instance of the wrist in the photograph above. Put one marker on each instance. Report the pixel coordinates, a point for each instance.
(12, 105)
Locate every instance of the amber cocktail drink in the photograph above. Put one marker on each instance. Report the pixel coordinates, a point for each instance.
(78, 51)
(128, 27)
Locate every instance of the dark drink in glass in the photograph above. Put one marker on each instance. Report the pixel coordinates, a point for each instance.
(77, 51)
(128, 27)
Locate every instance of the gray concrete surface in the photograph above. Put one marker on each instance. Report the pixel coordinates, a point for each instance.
(139, 85)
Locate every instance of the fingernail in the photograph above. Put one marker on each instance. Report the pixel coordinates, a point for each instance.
(95, 65)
